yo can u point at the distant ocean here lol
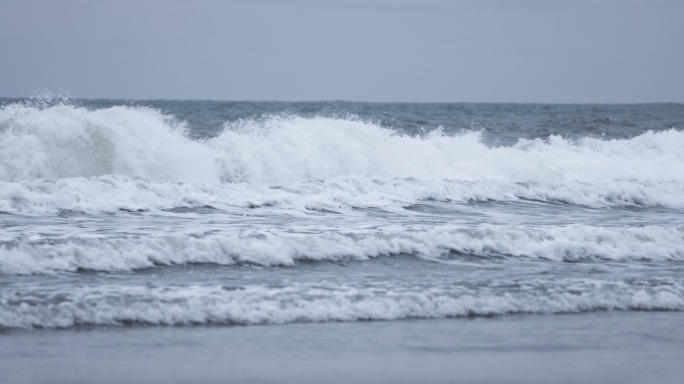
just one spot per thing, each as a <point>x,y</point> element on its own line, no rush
<point>529,228</point>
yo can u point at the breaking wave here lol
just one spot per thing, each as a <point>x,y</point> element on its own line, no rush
<point>258,304</point>
<point>112,193</point>
<point>67,157</point>
<point>282,247</point>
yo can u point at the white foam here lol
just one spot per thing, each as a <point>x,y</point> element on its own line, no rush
<point>282,247</point>
<point>66,141</point>
<point>113,193</point>
<point>286,150</point>
<point>255,304</point>
<point>65,157</point>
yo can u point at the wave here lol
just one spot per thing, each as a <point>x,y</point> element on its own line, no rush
<point>64,141</point>
<point>256,304</point>
<point>63,157</point>
<point>114,193</point>
<point>280,247</point>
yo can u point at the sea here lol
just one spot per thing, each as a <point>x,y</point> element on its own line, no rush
<point>164,241</point>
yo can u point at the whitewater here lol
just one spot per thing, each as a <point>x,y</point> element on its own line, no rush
<point>165,241</point>
<point>160,213</point>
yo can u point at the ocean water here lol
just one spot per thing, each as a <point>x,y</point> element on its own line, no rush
<point>353,224</point>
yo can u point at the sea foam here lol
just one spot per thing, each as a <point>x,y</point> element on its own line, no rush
<point>43,254</point>
<point>65,141</point>
<point>111,193</point>
<point>321,302</point>
<point>67,157</point>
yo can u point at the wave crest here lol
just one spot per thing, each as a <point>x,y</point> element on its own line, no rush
<point>63,141</point>
<point>115,305</point>
<point>125,253</point>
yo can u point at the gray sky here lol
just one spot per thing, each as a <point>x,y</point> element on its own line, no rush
<point>556,51</point>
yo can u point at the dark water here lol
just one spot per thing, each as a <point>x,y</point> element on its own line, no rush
<point>305,221</point>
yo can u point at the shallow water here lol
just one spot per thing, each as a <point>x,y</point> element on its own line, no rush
<point>599,347</point>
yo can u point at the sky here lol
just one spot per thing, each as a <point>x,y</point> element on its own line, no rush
<point>547,51</point>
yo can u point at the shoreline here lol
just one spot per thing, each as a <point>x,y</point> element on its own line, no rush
<point>597,347</point>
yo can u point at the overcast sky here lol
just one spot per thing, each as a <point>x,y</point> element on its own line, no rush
<point>556,51</point>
